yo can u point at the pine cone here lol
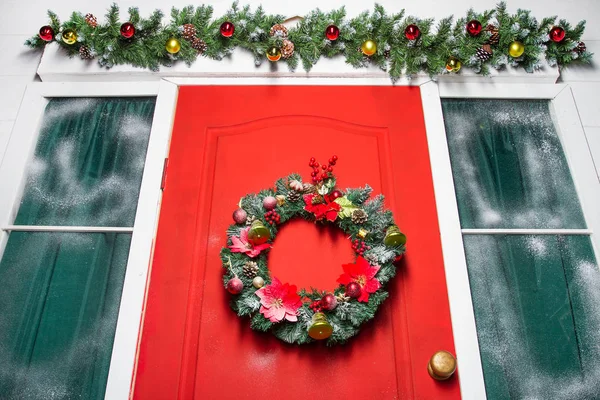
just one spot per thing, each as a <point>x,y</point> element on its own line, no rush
<point>250,219</point>
<point>580,48</point>
<point>294,195</point>
<point>387,53</point>
<point>287,48</point>
<point>91,20</point>
<point>189,32</point>
<point>199,45</point>
<point>495,35</point>
<point>296,185</point>
<point>483,54</point>
<point>309,188</point>
<point>85,53</point>
<point>250,269</point>
<point>278,30</point>
<point>317,199</point>
<point>359,216</point>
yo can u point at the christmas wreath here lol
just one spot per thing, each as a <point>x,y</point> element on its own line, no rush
<point>302,316</point>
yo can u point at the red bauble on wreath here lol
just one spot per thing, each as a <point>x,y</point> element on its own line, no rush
<point>227,29</point>
<point>557,34</point>
<point>474,27</point>
<point>302,316</point>
<point>127,30</point>
<point>332,32</point>
<point>412,32</point>
<point>46,33</point>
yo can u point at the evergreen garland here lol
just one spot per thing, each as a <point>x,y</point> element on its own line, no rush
<point>395,53</point>
<point>348,316</point>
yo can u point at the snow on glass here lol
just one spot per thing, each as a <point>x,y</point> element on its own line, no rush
<point>508,165</point>
<point>537,310</point>
<point>90,173</point>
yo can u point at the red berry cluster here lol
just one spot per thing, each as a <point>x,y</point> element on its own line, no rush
<point>359,246</point>
<point>272,217</point>
<point>316,306</point>
<point>317,176</point>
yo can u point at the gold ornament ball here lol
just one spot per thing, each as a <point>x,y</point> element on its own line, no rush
<point>69,36</point>
<point>516,49</point>
<point>258,282</point>
<point>441,365</point>
<point>453,64</point>
<point>369,47</point>
<point>173,46</point>
<point>273,54</point>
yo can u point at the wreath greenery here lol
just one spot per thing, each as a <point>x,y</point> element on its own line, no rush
<point>302,316</point>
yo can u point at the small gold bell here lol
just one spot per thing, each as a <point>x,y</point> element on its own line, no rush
<point>320,328</point>
<point>280,199</point>
<point>362,233</point>
<point>393,237</point>
<point>258,233</point>
<point>441,365</point>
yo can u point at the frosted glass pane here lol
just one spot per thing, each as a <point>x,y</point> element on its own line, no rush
<point>88,162</point>
<point>59,301</point>
<point>508,165</point>
<point>537,310</point>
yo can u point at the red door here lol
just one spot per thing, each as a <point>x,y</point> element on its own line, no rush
<point>232,140</point>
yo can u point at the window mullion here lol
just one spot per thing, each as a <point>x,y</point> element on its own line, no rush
<point>72,229</point>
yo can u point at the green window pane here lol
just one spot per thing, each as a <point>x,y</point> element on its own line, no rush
<point>88,162</point>
<point>537,311</point>
<point>508,165</point>
<point>59,300</point>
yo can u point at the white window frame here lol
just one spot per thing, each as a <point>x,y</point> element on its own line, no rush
<point>577,152</point>
<point>19,153</point>
<point>130,320</point>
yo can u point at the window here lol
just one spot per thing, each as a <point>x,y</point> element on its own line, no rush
<point>65,260</point>
<point>534,280</point>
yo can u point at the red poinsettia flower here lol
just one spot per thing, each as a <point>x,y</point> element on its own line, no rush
<point>279,301</point>
<point>328,210</point>
<point>362,273</point>
<point>242,244</point>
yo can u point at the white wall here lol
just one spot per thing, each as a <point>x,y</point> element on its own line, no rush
<point>20,19</point>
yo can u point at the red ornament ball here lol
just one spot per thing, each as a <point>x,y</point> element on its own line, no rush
<point>46,33</point>
<point>557,34</point>
<point>328,302</point>
<point>332,32</point>
<point>127,30</point>
<point>412,32</point>
<point>240,216</point>
<point>235,285</point>
<point>227,29</point>
<point>269,202</point>
<point>336,194</point>
<point>353,290</point>
<point>474,27</point>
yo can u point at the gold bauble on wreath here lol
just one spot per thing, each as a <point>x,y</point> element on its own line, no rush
<point>453,64</point>
<point>516,49</point>
<point>273,54</point>
<point>69,36</point>
<point>173,46</point>
<point>369,47</point>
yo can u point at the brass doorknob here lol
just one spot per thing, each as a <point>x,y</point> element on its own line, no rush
<point>441,365</point>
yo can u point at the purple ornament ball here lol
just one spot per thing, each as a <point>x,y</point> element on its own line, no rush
<point>240,216</point>
<point>328,302</point>
<point>235,285</point>
<point>269,203</point>
<point>353,290</point>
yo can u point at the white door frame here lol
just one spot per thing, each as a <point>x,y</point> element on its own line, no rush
<point>123,361</point>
